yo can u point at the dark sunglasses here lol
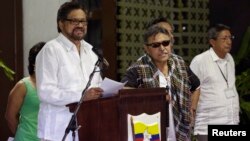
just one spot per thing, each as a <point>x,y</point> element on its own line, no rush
<point>158,44</point>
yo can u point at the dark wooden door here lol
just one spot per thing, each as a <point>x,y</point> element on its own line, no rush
<point>11,52</point>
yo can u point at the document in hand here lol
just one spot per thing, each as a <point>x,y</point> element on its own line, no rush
<point>10,139</point>
<point>111,87</point>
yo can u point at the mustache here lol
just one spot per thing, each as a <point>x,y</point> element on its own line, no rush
<point>79,28</point>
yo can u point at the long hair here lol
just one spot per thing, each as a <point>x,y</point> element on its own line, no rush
<point>32,56</point>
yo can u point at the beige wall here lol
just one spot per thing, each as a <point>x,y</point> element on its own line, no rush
<point>39,23</point>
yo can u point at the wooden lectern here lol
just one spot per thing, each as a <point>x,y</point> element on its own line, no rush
<point>106,119</point>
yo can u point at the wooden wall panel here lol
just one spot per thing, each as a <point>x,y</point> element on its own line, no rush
<point>11,47</point>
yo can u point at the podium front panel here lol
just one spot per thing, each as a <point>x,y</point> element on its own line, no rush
<point>105,119</point>
<point>138,101</point>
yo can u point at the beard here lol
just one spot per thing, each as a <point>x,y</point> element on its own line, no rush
<point>77,34</point>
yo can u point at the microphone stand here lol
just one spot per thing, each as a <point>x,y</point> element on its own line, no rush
<point>72,126</point>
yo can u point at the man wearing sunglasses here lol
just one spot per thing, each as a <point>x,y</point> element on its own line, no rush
<point>159,67</point>
<point>194,80</point>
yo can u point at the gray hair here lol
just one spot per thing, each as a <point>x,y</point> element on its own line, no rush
<point>214,31</point>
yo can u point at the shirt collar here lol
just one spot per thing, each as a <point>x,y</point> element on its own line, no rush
<point>68,44</point>
<point>215,56</point>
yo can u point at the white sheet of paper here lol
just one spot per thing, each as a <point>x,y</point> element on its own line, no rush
<point>10,139</point>
<point>111,87</point>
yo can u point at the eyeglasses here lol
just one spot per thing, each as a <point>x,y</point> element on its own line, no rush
<point>76,21</point>
<point>158,44</point>
<point>224,39</point>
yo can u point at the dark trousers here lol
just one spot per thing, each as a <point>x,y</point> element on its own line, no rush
<point>201,138</point>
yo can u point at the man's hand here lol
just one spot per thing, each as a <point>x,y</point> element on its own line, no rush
<point>93,93</point>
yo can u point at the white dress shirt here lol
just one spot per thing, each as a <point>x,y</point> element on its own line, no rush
<point>61,74</point>
<point>170,130</point>
<point>219,101</point>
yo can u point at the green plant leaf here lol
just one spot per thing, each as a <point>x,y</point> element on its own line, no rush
<point>244,48</point>
<point>7,71</point>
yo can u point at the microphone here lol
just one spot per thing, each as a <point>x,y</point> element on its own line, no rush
<point>167,87</point>
<point>101,58</point>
